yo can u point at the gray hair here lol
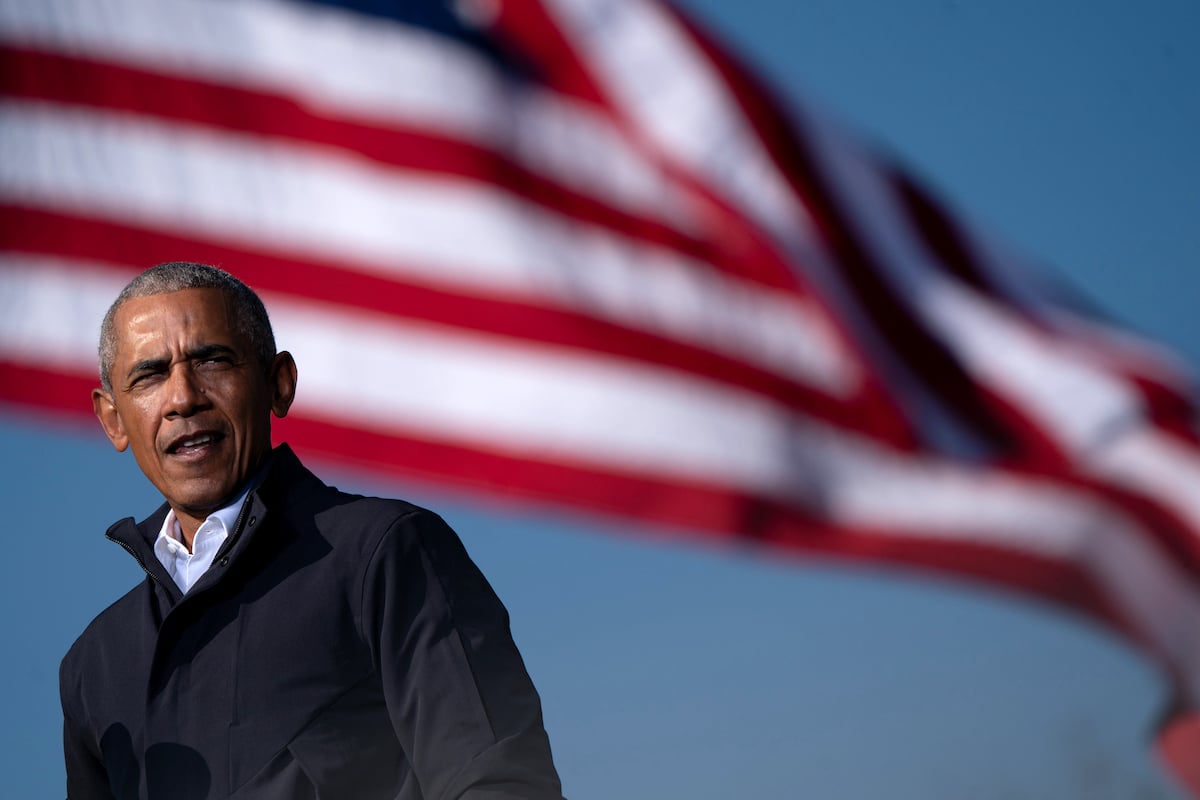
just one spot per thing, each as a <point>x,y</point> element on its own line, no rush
<point>250,315</point>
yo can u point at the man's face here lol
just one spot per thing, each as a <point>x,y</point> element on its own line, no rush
<point>191,397</point>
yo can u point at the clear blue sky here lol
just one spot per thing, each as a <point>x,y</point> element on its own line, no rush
<point>671,670</point>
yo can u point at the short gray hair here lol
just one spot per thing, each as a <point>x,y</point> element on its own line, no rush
<point>250,315</point>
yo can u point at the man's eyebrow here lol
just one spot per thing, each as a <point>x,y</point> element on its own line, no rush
<point>210,350</point>
<point>198,353</point>
<point>148,365</point>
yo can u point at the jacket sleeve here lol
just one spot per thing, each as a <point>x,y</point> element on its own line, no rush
<point>458,694</point>
<point>86,776</point>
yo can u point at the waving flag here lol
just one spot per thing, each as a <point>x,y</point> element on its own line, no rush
<point>571,251</point>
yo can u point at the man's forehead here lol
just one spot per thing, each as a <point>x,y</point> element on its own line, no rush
<point>192,314</point>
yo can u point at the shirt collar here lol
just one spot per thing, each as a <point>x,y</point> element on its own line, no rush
<point>223,518</point>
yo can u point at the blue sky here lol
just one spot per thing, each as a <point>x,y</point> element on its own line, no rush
<point>670,669</point>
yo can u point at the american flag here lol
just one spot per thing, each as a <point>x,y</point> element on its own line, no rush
<point>572,251</point>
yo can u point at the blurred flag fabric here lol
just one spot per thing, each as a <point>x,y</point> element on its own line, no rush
<point>572,252</point>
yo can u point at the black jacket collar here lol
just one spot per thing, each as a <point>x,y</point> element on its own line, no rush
<point>281,473</point>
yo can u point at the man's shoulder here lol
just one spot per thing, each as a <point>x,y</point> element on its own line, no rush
<point>345,513</point>
<point>354,524</point>
<point>303,492</point>
<point>106,630</point>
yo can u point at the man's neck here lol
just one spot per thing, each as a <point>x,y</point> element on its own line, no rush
<point>190,521</point>
<point>188,525</point>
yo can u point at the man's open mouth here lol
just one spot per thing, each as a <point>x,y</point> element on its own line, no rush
<point>193,443</point>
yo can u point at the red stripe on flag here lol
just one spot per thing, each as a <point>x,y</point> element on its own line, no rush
<point>534,41</point>
<point>1179,745</point>
<point>69,393</point>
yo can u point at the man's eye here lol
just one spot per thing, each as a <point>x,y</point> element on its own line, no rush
<point>145,378</point>
<point>213,362</point>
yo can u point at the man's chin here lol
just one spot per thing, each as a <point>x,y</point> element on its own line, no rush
<point>199,502</point>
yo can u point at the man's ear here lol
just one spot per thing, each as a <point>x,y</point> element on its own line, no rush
<point>282,379</point>
<point>106,411</point>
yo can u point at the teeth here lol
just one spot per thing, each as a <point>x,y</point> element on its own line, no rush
<point>193,442</point>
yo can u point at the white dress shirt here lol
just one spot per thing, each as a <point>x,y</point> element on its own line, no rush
<point>185,568</point>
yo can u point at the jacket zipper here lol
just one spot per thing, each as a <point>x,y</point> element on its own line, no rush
<point>226,546</point>
<point>231,540</point>
<point>136,558</point>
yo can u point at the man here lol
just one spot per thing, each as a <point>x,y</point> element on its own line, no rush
<point>289,641</point>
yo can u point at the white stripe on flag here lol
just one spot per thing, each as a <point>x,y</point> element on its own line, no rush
<point>1077,404</point>
<point>1157,465</point>
<point>50,312</point>
<point>1106,347</point>
<point>673,94</point>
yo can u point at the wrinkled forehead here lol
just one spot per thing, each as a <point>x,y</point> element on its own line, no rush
<point>182,319</point>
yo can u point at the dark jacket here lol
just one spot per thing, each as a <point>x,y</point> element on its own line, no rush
<point>340,647</point>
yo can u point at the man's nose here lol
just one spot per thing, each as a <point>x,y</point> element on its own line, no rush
<point>185,392</point>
